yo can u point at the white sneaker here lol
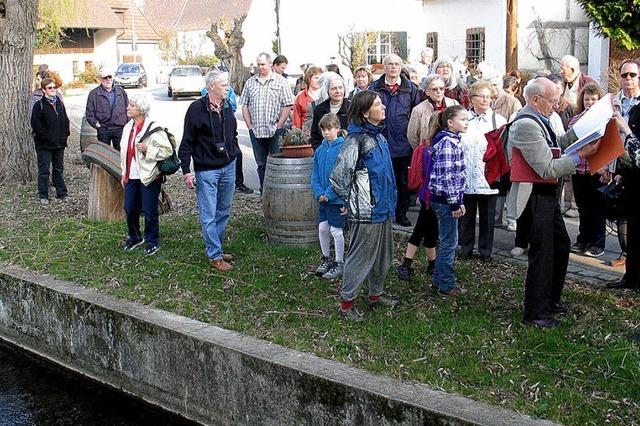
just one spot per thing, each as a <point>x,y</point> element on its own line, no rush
<point>517,251</point>
<point>511,225</point>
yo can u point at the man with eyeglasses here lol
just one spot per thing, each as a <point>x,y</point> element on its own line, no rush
<point>627,103</point>
<point>532,138</point>
<point>107,109</point>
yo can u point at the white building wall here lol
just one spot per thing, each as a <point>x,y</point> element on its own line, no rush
<point>150,57</point>
<point>104,53</point>
<point>451,18</point>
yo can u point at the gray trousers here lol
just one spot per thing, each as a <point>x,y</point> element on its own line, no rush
<point>370,255</point>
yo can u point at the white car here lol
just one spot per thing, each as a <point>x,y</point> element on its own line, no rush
<point>185,80</point>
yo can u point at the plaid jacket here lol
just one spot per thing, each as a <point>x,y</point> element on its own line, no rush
<point>447,181</point>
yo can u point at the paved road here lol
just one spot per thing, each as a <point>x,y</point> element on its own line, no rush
<point>170,114</point>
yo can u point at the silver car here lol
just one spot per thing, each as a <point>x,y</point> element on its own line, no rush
<point>185,80</point>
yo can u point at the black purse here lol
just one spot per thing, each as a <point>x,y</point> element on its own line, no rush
<point>613,203</point>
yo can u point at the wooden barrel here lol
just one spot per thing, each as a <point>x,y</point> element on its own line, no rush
<point>290,211</point>
<point>87,134</point>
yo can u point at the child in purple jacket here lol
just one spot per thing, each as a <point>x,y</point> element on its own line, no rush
<point>446,187</point>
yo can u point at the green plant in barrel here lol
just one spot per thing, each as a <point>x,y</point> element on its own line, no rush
<point>296,137</point>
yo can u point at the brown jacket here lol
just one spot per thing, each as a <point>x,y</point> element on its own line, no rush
<point>418,127</point>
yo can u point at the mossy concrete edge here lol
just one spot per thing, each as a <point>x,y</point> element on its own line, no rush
<point>209,374</point>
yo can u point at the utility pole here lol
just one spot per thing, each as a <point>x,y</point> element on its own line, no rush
<point>511,58</point>
<point>133,33</point>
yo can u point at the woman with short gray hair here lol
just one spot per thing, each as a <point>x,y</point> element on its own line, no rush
<point>146,143</point>
<point>335,92</point>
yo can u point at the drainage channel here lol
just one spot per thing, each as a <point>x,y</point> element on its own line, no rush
<point>36,392</point>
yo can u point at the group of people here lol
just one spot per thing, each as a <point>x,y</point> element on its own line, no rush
<point>365,138</point>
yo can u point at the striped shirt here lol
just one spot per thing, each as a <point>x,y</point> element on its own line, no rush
<point>265,101</point>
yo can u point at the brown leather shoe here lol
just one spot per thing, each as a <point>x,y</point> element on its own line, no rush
<point>227,257</point>
<point>221,265</point>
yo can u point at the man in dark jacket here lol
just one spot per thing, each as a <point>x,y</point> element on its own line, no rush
<point>210,138</point>
<point>107,109</point>
<point>50,126</point>
<point>399,96</point>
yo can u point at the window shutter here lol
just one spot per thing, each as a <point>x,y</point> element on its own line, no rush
<point>399,44</point>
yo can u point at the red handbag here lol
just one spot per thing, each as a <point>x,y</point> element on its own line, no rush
<point>416,176</point>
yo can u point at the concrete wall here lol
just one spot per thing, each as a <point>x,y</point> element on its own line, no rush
<point>210,374</point>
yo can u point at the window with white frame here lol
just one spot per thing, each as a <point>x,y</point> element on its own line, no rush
<point>379,47</point>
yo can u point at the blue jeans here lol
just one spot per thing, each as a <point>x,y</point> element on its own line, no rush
<point>137,199</point>
<point>262,147</point>
<point>214,191</point>
<point>444,275</point>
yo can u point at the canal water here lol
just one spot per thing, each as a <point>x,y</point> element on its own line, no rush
<point>34,392</point>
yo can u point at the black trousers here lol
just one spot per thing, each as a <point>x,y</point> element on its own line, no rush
<point>548,255</point>
<point>110,136</point>
<point>239,172</point>
<point>632,264</point>
<point>592,222</point>
<point>485,205</point>
<point>54,159</point>
<point>401,172</point>
<point>426,228</point>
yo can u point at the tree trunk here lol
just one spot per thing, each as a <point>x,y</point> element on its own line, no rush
<point>511,61</point>
<point>229,50</point>
<point>17,40</point>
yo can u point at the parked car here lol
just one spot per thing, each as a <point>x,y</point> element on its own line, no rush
<point>131,74</point>
<point>185,80</point>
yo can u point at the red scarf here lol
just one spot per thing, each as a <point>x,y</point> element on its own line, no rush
<point>131,147</point>
<point>393,88</point>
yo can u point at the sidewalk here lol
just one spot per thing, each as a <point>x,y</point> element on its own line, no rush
<point>583,268</point>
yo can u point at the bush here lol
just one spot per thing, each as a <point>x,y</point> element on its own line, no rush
<point>90,75</point>
<point>204,61</point>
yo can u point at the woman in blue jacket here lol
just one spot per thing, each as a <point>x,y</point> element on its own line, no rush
<point>363,176</point>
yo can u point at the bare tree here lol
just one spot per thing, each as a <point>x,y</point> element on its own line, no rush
<point>17,41</point>
<point>229,48</point>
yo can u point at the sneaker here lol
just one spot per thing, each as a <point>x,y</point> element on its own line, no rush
<point>456,291</point>
<point>151,249</point>
<point>402,220</point>
<point>132,244</point>
<point>334,272</point>
<point>594,252</point>
<point>221,265</point>
<point>404,272</point>
<point>383,301</point>
<point>511,225</point>
<point>325,265</point>
<point>352,315</point>
<point>44,201</point>
<point>517,251</point>
<point>243,189</point>
<point>579,247</point>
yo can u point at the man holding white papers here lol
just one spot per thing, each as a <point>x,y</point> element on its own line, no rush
<point>532,138</point>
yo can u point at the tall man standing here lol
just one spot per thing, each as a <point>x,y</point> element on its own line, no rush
<point>106,109</point>
<point>532,134</point>
<point>267,100</point>
<point>399,96</point>
<point>211,139</point>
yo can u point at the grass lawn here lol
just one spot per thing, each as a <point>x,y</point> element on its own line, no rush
<point>585,372</point>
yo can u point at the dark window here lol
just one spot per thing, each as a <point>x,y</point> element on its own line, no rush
<point>432,42</point>
<point>475,46</point>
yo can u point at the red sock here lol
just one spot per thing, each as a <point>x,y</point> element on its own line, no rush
<point>346,304</point>
<point>373,298</point>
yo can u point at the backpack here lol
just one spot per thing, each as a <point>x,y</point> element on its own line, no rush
<point>416,175</point>
<point>171,164</point>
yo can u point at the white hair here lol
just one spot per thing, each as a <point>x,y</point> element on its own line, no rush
<point>141,101</point>
<point>391,56</point>
<point>570,61</point>
<point>325,80</point>
<point>216,76</point>
<point>535,87</point>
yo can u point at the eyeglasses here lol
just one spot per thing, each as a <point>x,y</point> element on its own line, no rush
<point>437,89</point>
<point>50,87</point>
<point>629,74</point>
<point>485,97</point>
<point>551,101</point>
<point>107,77</point>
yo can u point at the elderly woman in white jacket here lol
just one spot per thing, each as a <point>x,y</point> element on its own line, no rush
<point>478,195</point>
<point>139,155</point>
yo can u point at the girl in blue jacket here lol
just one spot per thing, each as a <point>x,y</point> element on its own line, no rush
<point>331,219</point>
